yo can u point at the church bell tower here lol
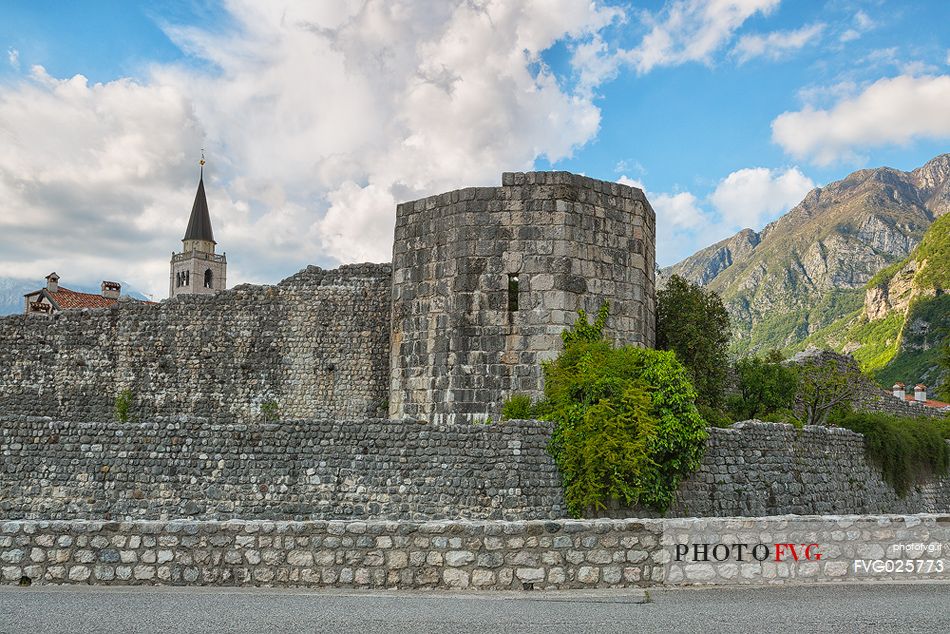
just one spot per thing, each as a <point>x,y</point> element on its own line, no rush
<point>198,270</point>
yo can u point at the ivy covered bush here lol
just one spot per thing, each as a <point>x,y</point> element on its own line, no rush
<point>626,423</point>
<point>909,451</point>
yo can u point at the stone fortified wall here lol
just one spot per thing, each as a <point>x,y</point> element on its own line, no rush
<point>396,470</point>
<point>473,555</point>
<point>486,278</point>
<point>316,345</point>
<point>307,470</point>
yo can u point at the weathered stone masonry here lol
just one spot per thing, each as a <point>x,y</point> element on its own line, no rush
<point>458,555</point>
<point>399,471</point>
<point>486,278</point>
<point>307,470</point>
<point>315,345</point>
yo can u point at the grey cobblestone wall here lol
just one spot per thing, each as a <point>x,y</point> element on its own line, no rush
<point>315,345</point>
<point>459,346</point>
<point>467,555</point>
<point>399,470</point>
<point>756,468</point>
<point>306,470</point>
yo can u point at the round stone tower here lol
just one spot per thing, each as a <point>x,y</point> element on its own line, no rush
<point>485,279</point>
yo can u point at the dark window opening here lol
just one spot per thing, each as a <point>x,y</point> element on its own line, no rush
<point>207,278</point>
<point>178,280</point>
<point>512,292</point>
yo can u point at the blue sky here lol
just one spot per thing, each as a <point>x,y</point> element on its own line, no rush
<point>318,117</point>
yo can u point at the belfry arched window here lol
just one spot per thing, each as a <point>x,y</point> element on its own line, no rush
<point>208,278</point>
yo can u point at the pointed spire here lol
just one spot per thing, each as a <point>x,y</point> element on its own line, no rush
<point>199,225</point>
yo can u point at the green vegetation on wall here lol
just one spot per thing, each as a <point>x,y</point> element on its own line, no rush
<point>909,451</point>
<point>626,424</point>
<point>692,322</point>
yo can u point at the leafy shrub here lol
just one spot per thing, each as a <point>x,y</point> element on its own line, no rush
<point>626,423</point>
<point>692,321</point>
<point>270,410</point>
<point>517,407</point>
<point>715,417</point>
<point>123,405</point>
<point>765,386</point>
<point>909,451</point>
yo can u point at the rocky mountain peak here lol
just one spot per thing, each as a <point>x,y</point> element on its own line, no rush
<point>809,267</point>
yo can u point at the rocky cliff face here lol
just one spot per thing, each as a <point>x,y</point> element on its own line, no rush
<point>809,267</point>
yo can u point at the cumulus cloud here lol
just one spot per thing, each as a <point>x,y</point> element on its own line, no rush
<point>746,198</point>
<point>318,117</point>
<point>777,44</point>
<point>891,111</point>
<point>751,197</point>
<point>88,175</point>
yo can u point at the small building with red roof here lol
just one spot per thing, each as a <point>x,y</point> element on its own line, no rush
<point>55,298</point>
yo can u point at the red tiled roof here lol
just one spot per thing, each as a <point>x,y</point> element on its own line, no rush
<point>928,402</point>
<point>67,299</point>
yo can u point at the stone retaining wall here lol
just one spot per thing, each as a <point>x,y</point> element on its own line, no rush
<point>305,470</point>
<point>314,345</point>
<point>467,555</point>
<point>319,470</point>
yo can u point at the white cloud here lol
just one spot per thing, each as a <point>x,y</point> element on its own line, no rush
<point>861,24</point>
<point>777,44</point>
<point>317,118</point>
<point>889,111</point>
<point>692,30</point>
<point>751,197</point>
<point>746,198</point>
<point>13,56</point>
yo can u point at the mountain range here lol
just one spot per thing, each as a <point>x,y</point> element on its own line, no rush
<point>842,269</point>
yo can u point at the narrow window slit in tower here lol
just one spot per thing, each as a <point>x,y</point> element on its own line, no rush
<point>512,292</point>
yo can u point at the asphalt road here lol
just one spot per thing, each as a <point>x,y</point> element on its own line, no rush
<point>801,609</point>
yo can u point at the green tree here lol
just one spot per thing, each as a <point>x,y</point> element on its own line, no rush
<point>765,386</point>
<point>823,387</point>
<point>692,322</point>
<point>626,423</point>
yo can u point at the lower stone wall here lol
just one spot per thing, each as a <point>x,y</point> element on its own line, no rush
<point>398,470</point>
<point>755,468</point>
<point>305,470</point>
<point>559,554</point>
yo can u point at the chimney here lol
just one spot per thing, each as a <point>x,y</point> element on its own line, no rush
<point>52,282</point>
<point>920,392</point>
<point>899,391</point>
<point>111,290</point>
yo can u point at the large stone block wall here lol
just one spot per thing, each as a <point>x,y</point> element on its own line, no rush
<point>477,555</point>
<point>316,345</point>
<point>306,470</point>
<point>398,470</point>
<point>458,347</point>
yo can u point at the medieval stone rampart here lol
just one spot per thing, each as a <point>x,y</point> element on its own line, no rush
<point>314,345</point>
<point>400,470</point>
